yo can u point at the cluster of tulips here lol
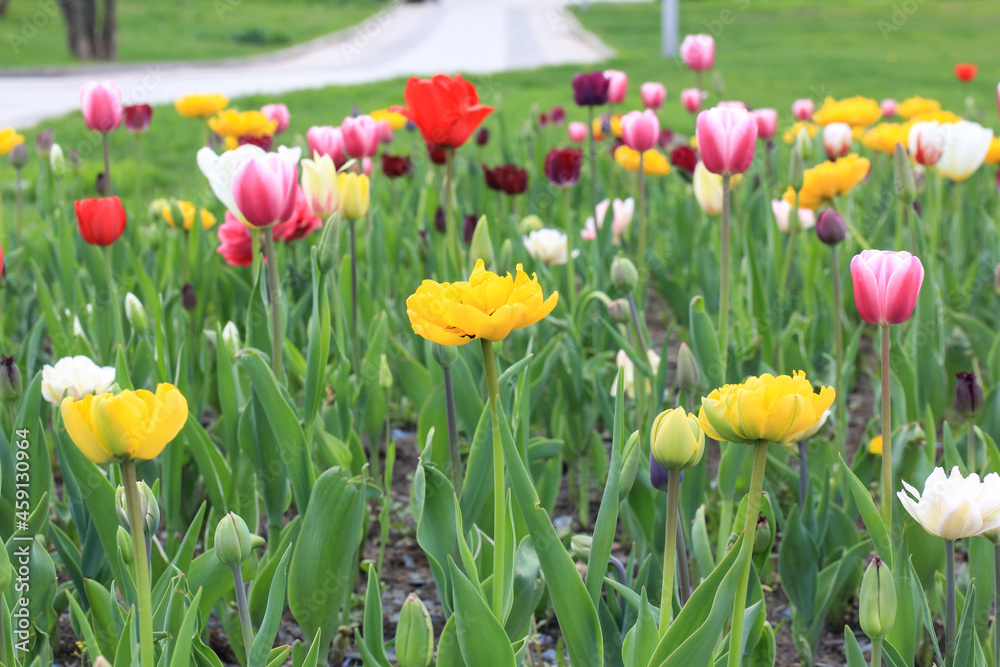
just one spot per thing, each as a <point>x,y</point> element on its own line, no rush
<point>202,426</point>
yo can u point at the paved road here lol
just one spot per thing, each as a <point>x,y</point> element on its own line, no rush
<point>469,36</point>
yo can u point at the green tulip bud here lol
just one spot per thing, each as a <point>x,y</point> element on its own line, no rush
<point>414,634</point>
<point>804,144</point>
<point>11,383</point>
<point>902,173</point>
<point>676,439</point>
<point>763,539</point>
<point>6,571</point>
<point>581,544</point>
<point>620,311</point>
<point>481,246</point>
<point>231,338</point>
<point>624,275</point>
<point>797,166</point>
<point>57,161</point>
<point>384,374</point>
<point>149,508</point>
<point>232,540</point>
<point>531,223</point>
<point>124,545</point>
<point>135,313</point>
<point>445,355</point>
<point>877,603</point>
<point>688,375</point>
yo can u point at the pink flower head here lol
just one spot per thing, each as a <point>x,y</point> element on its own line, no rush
<point>361,136</point>
<point>640,130</point>
<point>886,285</point>
<point>302,222</point>
<point>279,114</point>
<point>264,189</point>
<point>654,94</point>
<point>623,211</point>
<point>385,133</point>
<point>726,139</point>
<point>698,52</point>
<point>577,131</point>
<point>837,140</point>
<point>327,140</point>
<point>767,122</point>
<point>888,106</point>
<point>803,109</point>
<point>235,242</point>
<point>691,99</point>
<point>617,85</point>
<point>101,104</point>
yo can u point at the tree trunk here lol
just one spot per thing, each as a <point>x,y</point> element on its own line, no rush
<point>85,41</point>
<point>3,7</point>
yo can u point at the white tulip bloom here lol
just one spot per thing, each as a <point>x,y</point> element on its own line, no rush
<point>782,212</point>
<point>75,377</point>
<point>965,147</point>
<point>926,142</point>
<point>954,507</point>
<point>624,362</point>
<point>551,246</point>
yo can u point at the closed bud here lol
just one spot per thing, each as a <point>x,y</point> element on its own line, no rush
<point>763,539</point>
<point>231,338</point>
<point>877,604</point>
<point>149,508</point>
<point>6,571</point>
<point>688,375</point>
<point>581,544</point>
<point>18,156</point>
<point>43,143</point>
<point>968,394</point>
<point>11,384</point>
<point>188,298</point>
<point>481,247</point>
<point>482,136</point>
<point>804,144</point>
<point>101,662</point>
<point>624,275</point>
<point>902,174</point>
<point>830,226</point>
<point>620,311</point>
<point>57,161</point>
<point>124,545</point>
<point>414,634</point>
<point>797,167</point>
<point>658,473</point>
<point>993,536</point>
<point>445,355</point>
<point>384,374</point>
<point>136,314</point>
<point>232,540</point>
<point>676,439</point>
<point>530,223</point>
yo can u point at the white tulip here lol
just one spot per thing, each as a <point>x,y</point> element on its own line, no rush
<point>624,362</point>
<point>220,169</point>
<point>782,211</point>
<point>75,377</point>
<point>231,338</point>
<point>965,147</point>
<point>135,313</point>
<point>551,246</point>
<point>837,140</point>
<point>707,189</point>
<point>954,507</point>
<point>57,161</point>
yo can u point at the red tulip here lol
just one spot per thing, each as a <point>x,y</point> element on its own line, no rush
<point>361,136</point>
<point>640,130</point>
<point>653,94</point>
<point>327,140</point>
<point>886,285</point>
<point>698,52</point>
<point>562,166</point>
<point>965,72</point>
<point>278,113</point>
<point>507,178</point>
<point>101,104</point>
<point>726,139</point>
<point>264,189</point>
<point>235,242</point>
<point>446,110</point>
<point>302,223</point>
<point>101,221</point>
<point>396,166</point>
<point>1,260</point>
<point>685,158</point>
<point>767,122</point>
<point>557,115</point>
<point>138,117</point>
<point>543,119</point>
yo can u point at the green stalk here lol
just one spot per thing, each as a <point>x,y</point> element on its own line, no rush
<point>454,455</point>
<point>877,652</point>
<point>886,434</point>
<point>570,264</point>
<point>725,528</point>
<point>803,474</point>
<point>451,226</point>
<point>682,569</point>
<point>669,551</point>
<point>138,177</point>
<point>241,604</point>
<point>354,295</point>
<point>950,617</point>
<point>593,170</point>
<point>786,273</point>
<point>137,525</point>
<point>643,232</point>
<point>724,277</point>
<point>838,345</point>
<point>996,605</point>
<point>972,446</point>
<point>499,520</point>
<point>750,529</point>
<point>116,305</point>
<point>274,302</point>
<point>109,191</point>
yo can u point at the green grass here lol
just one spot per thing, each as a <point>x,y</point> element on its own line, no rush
<point>33,33</point>
<point>770,54</point>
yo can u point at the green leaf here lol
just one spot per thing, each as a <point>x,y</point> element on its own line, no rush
<point>855,658</point>
<point>319,342</point>
<point>480,636</point>
<point>449,653</point>
<point>869,514</point>
<point>182,646</point>
<point>373,642</point>
<point>798,560</point>
<point>435,511</point>
<point>261,648</point>
<point>641,640</point>
<point>705,344</point>
<point>965,640</point>
<point>82,625</point>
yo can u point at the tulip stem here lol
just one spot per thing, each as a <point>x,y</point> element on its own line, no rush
<point>570,264</point>
<point>786,273</point>
<point>499,522</point>
<point>137,525</point>
<point>451,227</point>
<point>454,454</point>
<point>724,277</point>
<point>241,604</point>
<point>108,190</point>
<point>669,551</point>
<point>354,295</point>
<point>274,302</point>
<point>972,446</point>
<point>886,434</point>
<point>877,652</point>
<point>750,534</point>
<point>838,344</point>
<point>116,315</point>
<point>803,474</point>
<point>642,230</point>
<point>996,605</point>
<point>682,568</point>
<point>593,167</point>
<point>950,618</point>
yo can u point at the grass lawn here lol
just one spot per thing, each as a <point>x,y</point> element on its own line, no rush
<point>151,30</point>
<point>770,53</point>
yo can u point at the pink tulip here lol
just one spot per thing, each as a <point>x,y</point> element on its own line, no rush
<point>640,130</point>
<point>653,94</point>
<point>617,86</point>
<point>264,189</point>
<point>767,122</point>
<point>888,106</point>
<point>361,136</point>
<point>691,99</point>
<point>803,109</point>
<point>385,133</point>
<point>366,165</point>
<point>886,285</point>
<point>732,104</point>
<point>726,139</point>
<point>698,52</point>
<point>101,104</point>
<point>837,140</point>
<point>278,113</point>
<point>235,242</point>
<point>577,131</point>
<point>327,140</point>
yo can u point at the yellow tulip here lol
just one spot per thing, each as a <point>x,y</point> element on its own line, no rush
<point>828,180</point>
<point>233,123</point>
<point>940,116</point>
<point>791,134</point>
<point>654,163</point>
<point>8,139</point>
<point>598,129</point>
<point>354,191</point>
<point>125,426</point>
<point>916,106</point>
<point>616,126</point>
<point>855,111</point>
<point>676,439</point>
<point>885,136</point>
<point>765,408</point>
<point>875,446</point>
<point>487,306</point>
<point>187,210</point>
<point>397,121</point>
<point>993,154</point>
<point>200,105</point>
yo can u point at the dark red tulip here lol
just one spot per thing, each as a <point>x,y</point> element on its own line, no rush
<point>101,221</point>
<point>543,119</point>
<point>188,297</point>
<point>830,226</point>
<point>557,115</point>
<point>437,154</point>
<point>396,166</point>
<point>482,136</point>
<point>507,178</point>
<point>138,117</point>
<point>590,89</point>
<point>469,223</point>
<point>261,142</point>
<point>440,224</point>
<point>666,138</point>
<point>684,157</point>
<point>968,394</point>
<point>562,166</point>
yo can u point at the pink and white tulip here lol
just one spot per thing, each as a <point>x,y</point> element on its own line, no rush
<point>803,108</point>
<point>654,94</point>
<point>782,212</point>
<point>837,140</point>
<point>926,143</point>
<point>327,140</point>
<point>622,213</point>
<point>577,131</point>
<point>278,113</point>
<point>767,122</point>
<point>264,189</point>
<point>617,85</point>
<point>726,140</point>
<point>698,52</point>
<point>888,106</point>
<point>101,104</point>
<point>640,130</point>
<point>886,285</point>
<point>361,136</point>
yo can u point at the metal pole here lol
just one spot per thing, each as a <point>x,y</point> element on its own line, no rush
<point>670,27</point>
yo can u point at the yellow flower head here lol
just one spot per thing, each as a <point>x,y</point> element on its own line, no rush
<point>875,446</point>
<point>187,212</point>
<point>940,116</point>
<point>791,134</point>
<point>775,409</point>
<point>616,125</point>
<point>200,105</point>
<point>993,154</point>
<point>598,129</point>
<point>654,163</point>
<point>397,121</point>
<point>8,139</point>
<point>125,426</point>
<point>355,193</point>
<point>855,111</point>
<point>885,136</point>
<point>828,180</point>
<point>233,123</point>
<point>487,306</point>
<point>916,106</point>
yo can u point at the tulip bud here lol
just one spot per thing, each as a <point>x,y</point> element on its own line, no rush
<point>530,223</point>
<point>57,161</point>
<point>384,374</point>
<point>688,375</point>
<point>902,173</point>
<point>18,156</point>
<point>6,571</point>
<point>231,338</point>
<point>658,473</point>
<point>830,226</point>
<point>74,161</point>
<point>804,144</point>
<point>482,137</point>
<point>481,247</point>
<point>676,439</point>
<point>581,545</point>
<point>414,634</point>
<point>124,545</point>
<point>624,275</point>
<point>101,185</point>
<point>620,311</point>
<point>188,298</point>
<point>968,395</point>
<point>763,540</point>
<point>135,313</point>
<point>877,604</point>
<point>796,168</point>
<point>43,143</point>
<point>232,540</point>
<point>10,383</point>
<point>445,355</point>
<point>631,454</point>
<point>101,662</point>
<point>993,536</point>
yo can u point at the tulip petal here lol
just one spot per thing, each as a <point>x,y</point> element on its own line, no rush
<point>75,418</point>
<point>169,413</point>
<point>902,291</point>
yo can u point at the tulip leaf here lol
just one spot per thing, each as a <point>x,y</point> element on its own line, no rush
<point>435,512</point>
<point>319,343</point>
<point>373,642</point>
<point>184,637</point>
<point>966,640</point>
<point>214,470</point>
<point>870,515</point>
<point>481,638</point>
<point>82,626</point>
<point>705,344</point>
<point>449,653</point>
<point>260,650</point>
<point>798,564</point>
<point>641,640</point>
<point>478,470</point>
<point>855,658</point>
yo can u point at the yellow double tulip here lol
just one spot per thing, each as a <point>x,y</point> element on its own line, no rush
<point>200,105</point>
<point>654,163</point>
<point>233,123</point>
<point>8,139</point>
<point>855,111</point>
<point>828,180</point>
<point>186,213</point>
<point>916,106</point>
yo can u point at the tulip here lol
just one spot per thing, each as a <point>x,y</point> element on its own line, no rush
<point>965,147</point>
<point>43,142</point>
<point>837,140</point>
<point>877,604</point>
<point>676,439</point>
<point>875,446</point>
<point>550,246</point>
<point>138,117</point>
<point>301,223</point>
<point>888,106</point>
<point>691,99</point>
<point>954,507</point>
<point>886,285</point>
<point>354,195</point>
<point>577,131</point>
<point>707,189</point>
<point>264,189</point>
<point>319,184</point>
<point>101,104</point>
<point>232,540</point>
<point>18,157</point>
<point>9,138</point>
<point>57,161</point>
<point>327,140</point>
<point>767,122</point>
<point>543,120</point>
<point>396,166</point>
<point>591,89</point>
<point>200,105</point>
<point>385,132</point>
<point>726,140</point>
<point>803,109</point>
<point>968,395</point>
<point>361,136</point>
<point>235,242</point>
<point>135,313</point>
<point>507,178</point>
<point>557,115</point>
<point>684,158</point>
<point>965,72</point>
<point>617,85</point>
<point>782,211</point>
<point>640,130</point>
<point>623,211</point>
<point>220,169</point>
<point>11,382</point>
<point>414,634</point>
<point>182,214</point>
<point>75,377</point>
<point>562,166</point>
<point>698,52</point>
<point>830,227</point>
<point>926,142</point>
<point>624,275</point>
<point>855,111</point>
<point>446,110</point>
<point>101,221</point>
<point>624,362</point>
<point>279,114</point>
<point>688,376</point>
<point>653,94</point>
<point>482,136</point>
